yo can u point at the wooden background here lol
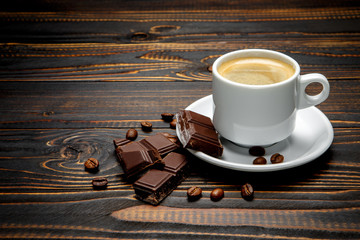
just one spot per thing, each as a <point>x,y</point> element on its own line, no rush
<point>76,74</point>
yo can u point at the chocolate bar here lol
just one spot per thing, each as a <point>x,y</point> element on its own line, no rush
<point>197,132</point>
<point>120,142</point>
<point>172,138</point>
<point>177,165</point>
<point>157,184</point>
<point>159,142</point>
<point>134,162</point>
<point>135,157</point>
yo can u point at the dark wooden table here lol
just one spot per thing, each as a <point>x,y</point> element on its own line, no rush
<point>74,75</point>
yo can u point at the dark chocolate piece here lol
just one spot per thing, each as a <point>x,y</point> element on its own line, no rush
<point>172,138</point>
<point>160,143</point>
<point>135,158</point>
<point>131,146</point>
<point>133,164</point>
<point>156,184</point>
<point>120,142</point>
<point>136,161</point>
<point>198,133</point>
<point>177,165</point>
<point>196,118</point>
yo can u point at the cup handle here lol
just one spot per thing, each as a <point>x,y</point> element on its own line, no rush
<point>305,100</point>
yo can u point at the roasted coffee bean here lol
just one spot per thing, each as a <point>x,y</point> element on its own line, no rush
<point>257,151</point>
<point>131,134</point>
<point>99,183</point>
<point>247,191</point>
<point>194,193</point>
<point>173,124</point>
<point>146,126</point>
<point>92,165</point>
<point>167,117</point>
<point>277,158</point>
<point>217,194</point>
<point>259,161</point>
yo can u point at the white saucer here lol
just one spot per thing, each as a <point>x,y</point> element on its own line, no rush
<point>312,136</point>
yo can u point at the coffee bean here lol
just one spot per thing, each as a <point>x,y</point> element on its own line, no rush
<point>217,194</point>
<point>91,165</point>
<point>99,183</point>
<point>194,193</point>
<point>257,151</point>
<point>173,124</point>
<point>146,126</point>
<point>259,161</point>
<point>247,191</point>
<point>167,117</point>
<point>277,158</point>
<point>131,134</point>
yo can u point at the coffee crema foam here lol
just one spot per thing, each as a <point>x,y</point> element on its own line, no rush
<point>256,70</point>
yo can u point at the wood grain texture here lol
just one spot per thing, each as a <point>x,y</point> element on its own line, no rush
<point>74,75</point>
<point>44,176</point>
<point>125,104</point>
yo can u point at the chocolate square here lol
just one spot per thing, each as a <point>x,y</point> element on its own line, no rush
<point>196,118</point>
<point>198,133</point>
<point>135,161</point>
<point>155,185</point>
<point>135,157</point>
<point>153,180</point>
<point>160,143</point>
<point>120,142</point>
<point>132,146</point>
<point>174,162</point>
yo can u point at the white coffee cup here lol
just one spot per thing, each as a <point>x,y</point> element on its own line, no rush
<point>261,115</point>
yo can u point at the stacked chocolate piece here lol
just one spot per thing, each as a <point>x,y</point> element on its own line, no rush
<point>166,168</point>
<point>154,163</point>
<point>197,132</point>
<point>156,184</point>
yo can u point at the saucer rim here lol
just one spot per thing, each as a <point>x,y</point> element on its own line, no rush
<point>268,167</point>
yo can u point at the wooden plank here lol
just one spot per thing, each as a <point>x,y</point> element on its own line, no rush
<point>124,105</point>
<point>75,75</point>
<point>52,160</point>
<point>176,5</point>
<point>167,61</point>
<point>43,179</point>
<point>164,45</point>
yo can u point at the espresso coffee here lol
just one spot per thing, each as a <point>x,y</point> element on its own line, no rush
<point>256,70</point>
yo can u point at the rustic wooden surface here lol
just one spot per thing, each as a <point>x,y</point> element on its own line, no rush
<point>76,74</point>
